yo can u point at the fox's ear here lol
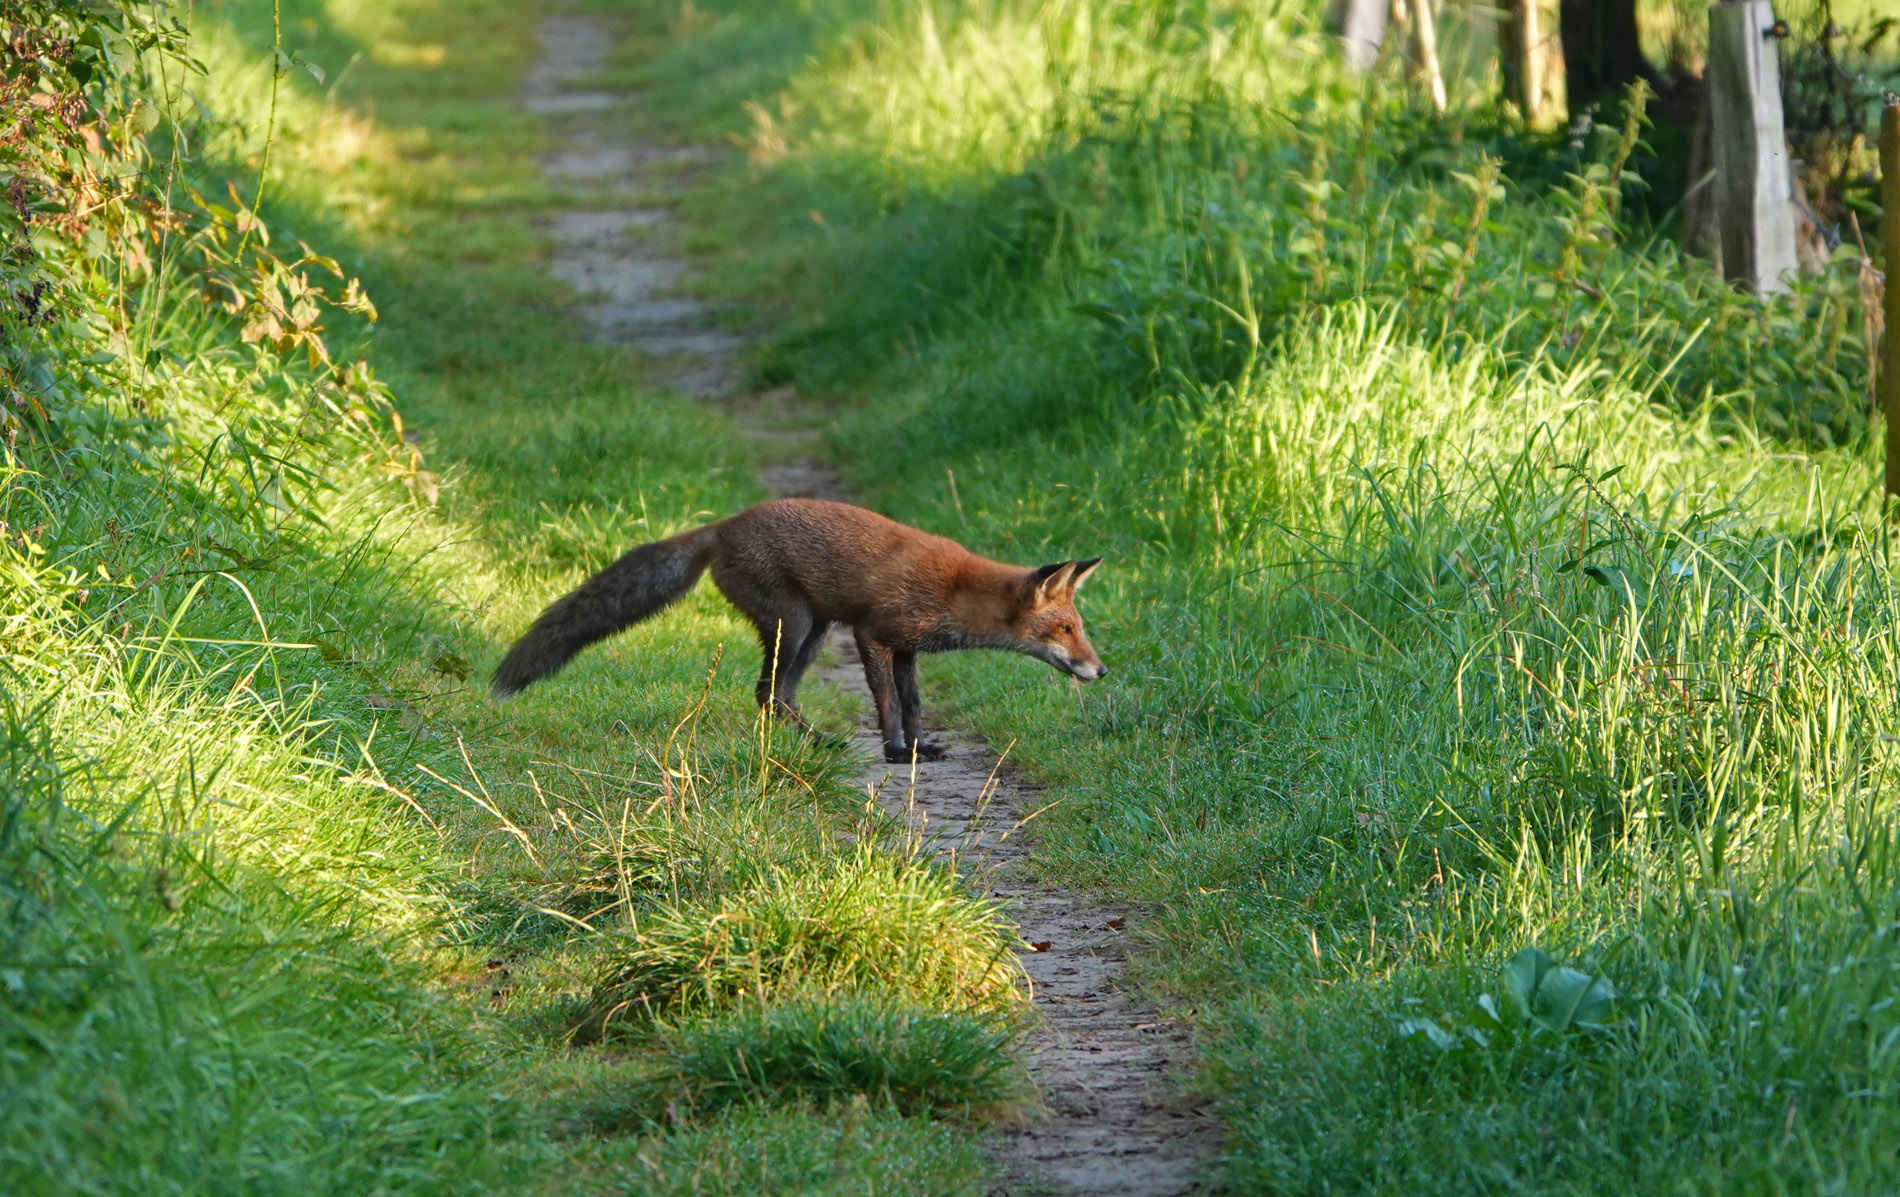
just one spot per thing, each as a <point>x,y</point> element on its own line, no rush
<point>1082,571</point>
<point>1051,580</point>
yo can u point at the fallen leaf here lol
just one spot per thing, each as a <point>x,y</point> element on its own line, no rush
<point>1041,947</point>
<point>1117,924</point>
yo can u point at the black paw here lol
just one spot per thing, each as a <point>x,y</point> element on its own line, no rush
<point>925,751</point>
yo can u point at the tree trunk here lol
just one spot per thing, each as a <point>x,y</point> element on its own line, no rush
<point>1603,51</point>
<point>1361,27</point>
<point>1528,62</point>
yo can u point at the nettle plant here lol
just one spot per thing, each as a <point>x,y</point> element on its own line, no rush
<point>105,231</point>
<point>1538,1000</point>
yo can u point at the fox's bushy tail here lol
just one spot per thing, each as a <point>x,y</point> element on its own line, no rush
<point>641,584</point>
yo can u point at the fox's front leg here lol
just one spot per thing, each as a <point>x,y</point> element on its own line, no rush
<point>910,705</point>
<point>880,675</point>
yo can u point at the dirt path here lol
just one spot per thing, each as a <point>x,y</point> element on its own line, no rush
<point>1102,1057</point>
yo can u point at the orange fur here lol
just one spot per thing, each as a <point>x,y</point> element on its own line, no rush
<point>794,567</point>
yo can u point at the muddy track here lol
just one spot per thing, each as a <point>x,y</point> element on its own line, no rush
<point>1102,1058</point>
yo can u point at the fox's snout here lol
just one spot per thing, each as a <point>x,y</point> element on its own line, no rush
<point>1086,668</point>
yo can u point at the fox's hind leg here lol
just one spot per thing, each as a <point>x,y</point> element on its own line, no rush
<point>783,643</point>
<point>911,706</point>
<point>808,651</point>
<point>788,632</point>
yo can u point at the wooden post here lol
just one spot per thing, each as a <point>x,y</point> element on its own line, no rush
<point>1890,235</point>
<point>1361,26</point>
<point>1424,47</point>
<point>1527,62</point>
<point>1753,205</point>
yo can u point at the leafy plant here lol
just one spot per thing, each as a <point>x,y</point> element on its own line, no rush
<point>1537,999</point>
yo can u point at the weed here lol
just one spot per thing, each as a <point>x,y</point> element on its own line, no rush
<point>284,907</point>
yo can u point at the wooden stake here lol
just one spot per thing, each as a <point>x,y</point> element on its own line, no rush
<point>1427,32</point>
<point>1527,62</point>
<point>1890,234</point>
<point>1424,46</point>
<point>1753,192</point>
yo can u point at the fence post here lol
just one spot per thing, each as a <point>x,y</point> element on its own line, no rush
<point>1527,62</point>
<point>1361,25</point>
<point>1753,204</point>
<point>1425,48</point>
<point>1890,234</point>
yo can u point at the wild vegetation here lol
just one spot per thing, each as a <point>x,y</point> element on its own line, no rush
<point>1504,701</point>
<point>286,905</point>
<point>1484,574</point>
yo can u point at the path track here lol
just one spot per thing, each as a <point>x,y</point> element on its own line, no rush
<point>1102,1057</point>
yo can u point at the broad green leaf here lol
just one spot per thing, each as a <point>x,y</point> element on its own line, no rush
<point>1488,1013</point>
<point>1521,977</point>
<point>1568,997</point>
<point>1431,1032</point>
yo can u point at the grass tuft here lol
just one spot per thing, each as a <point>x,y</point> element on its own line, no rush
<point>898,924</point>
<point>830,1049</point>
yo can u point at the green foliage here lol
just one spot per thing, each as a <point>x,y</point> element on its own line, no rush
<point>822,1152</point>
<point>897,925</point>
<point>1536,997</point>
<point>163,932</point>
<point>829,1050</point>
<point>1482,573</point>
<point>284,906</point>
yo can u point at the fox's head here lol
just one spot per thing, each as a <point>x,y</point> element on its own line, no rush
<point>1047,625</point>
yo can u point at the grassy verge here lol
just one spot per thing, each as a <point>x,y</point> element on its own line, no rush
<point>284,899</point>
<point>1483,576</point>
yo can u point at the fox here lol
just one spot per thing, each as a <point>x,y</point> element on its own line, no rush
<point>794,567</point>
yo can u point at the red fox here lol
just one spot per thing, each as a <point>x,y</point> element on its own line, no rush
<point>795,566</point>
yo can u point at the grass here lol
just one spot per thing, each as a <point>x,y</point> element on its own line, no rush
<point>878,1051</point>
<point>284,900</point>
<point>862,921</point>
<point>822,1152</point>
<point>1481,573</point>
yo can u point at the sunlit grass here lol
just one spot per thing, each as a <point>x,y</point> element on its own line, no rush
<point>1446,616</point>
<point>901,926</point>
<point>287,905</point>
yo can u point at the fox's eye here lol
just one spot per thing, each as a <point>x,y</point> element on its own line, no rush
<point>1064,629</point>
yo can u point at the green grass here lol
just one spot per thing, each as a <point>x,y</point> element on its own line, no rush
<point>824,1152</point>
<point>1481,574</point>
<point>861,921</point>
<point>286,903</point>
<point>825,1050</point>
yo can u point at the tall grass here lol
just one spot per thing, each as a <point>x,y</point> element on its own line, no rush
<point>1482,573</point>
<point>285,904</point>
